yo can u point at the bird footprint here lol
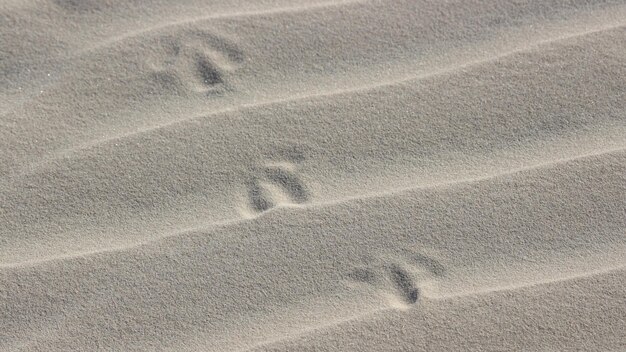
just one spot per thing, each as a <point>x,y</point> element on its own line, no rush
<point>400,281</point>
<point>200,61</point>
<point>274,184</point>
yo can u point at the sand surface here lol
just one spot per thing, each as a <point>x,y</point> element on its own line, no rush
<point>291,175</point>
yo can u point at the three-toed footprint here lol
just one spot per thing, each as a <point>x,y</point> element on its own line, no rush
<point>200,62</point>
<point>275,184</point>
<point>399,277</point>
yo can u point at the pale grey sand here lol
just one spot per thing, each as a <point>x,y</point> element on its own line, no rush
<point>290,175</point>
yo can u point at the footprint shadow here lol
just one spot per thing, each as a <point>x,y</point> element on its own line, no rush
<point>405,285</point>
<point>260,198</point>
<point>208,72</point>
<point>289,182</point>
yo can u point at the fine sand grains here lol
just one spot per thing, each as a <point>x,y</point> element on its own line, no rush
<point>288,175</point>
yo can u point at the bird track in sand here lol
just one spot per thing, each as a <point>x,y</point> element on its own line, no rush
<point>201,62</point>
<point>398,279</point>
<point>269,182</point>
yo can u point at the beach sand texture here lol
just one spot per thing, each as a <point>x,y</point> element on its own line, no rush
<point>290,175</point>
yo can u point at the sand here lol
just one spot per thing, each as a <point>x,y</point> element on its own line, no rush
<point>289,175</point>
